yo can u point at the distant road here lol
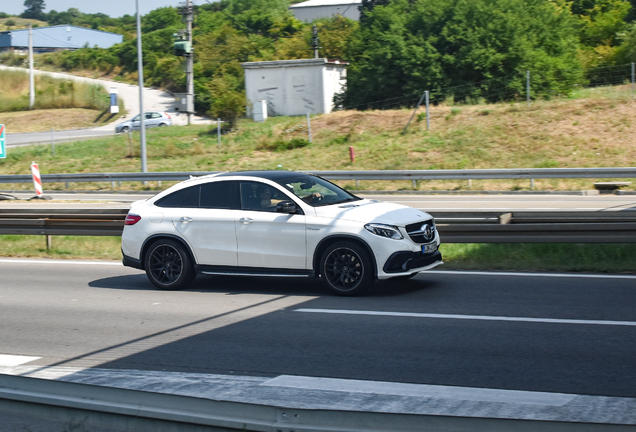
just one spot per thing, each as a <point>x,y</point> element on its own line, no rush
<point>154,100</point>
<point>431,203</point>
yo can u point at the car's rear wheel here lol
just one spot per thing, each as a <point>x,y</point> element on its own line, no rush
<point>168,265</point>
<point>346,269</point>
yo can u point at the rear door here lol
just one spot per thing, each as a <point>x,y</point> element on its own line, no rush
<point>206,221</point>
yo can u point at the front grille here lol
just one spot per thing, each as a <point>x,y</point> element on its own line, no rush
<point>422,232</point>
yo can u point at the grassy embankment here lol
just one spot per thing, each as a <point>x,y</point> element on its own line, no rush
<point>59,104</point>
<point>593,130</point>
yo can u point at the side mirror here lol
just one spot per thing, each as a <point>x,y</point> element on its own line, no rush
<point>288,207</point>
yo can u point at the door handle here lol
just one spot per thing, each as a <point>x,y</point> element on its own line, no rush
<point>246,220</point>
<point>185,219</point>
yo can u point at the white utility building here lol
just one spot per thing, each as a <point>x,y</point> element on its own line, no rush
<point>294,87</point>
<point>313,9</point>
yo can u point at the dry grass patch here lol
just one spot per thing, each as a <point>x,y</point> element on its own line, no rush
<point>44,120</point>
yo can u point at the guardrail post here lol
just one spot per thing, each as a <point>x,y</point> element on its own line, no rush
<point>532,184</point>
<point>470,184</point>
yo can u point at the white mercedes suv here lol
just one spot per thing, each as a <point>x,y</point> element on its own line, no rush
<point>276,223</point>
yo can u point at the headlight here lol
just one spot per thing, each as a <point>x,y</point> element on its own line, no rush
<point>388,231</point>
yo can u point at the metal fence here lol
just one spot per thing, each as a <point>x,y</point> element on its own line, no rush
<point>454,227</point>
<point>522,87</point>
<point>413,175</point>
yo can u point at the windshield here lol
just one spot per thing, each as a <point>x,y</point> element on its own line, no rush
<point>316,191</point>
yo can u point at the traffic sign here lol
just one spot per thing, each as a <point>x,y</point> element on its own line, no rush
<point>3,152</point>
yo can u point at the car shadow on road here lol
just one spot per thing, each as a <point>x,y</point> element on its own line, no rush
<point>260,285</point>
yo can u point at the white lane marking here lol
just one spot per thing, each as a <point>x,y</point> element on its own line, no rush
<point>37,261</point>
<point>468,317</point>
<point>15,360</point>
<point>421,390</point>
<point>558,275</point>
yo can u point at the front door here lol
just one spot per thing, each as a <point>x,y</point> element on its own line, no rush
<point>267,239</point>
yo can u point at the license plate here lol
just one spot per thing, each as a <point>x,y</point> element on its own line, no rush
<point>429,248</point>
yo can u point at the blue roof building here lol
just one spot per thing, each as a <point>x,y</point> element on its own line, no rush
<point>55,38</point>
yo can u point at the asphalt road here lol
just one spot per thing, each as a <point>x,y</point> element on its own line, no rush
<point>546,333</point>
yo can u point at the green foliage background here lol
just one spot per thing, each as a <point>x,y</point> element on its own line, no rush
<point>398,48</point>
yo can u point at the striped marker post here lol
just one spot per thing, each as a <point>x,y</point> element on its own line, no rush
<point>37,180</point>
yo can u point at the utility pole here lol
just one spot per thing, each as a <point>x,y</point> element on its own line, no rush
<point>31,80</point>
<point>142,114</point>
<point>315,42</point>
<point>184,48</point>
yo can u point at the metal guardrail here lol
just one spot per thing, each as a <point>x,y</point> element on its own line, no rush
<point>454,227</point>
<point>126,409</point>
<point>414,175</point>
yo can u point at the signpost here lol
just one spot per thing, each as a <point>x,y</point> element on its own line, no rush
<point>3,152</point>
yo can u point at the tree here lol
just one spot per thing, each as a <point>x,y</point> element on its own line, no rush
<point>404,48</point>
<point>34,9</point>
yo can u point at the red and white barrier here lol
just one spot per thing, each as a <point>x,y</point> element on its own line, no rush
<point>37,180</point>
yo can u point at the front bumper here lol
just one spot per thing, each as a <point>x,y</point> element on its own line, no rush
<point>404,261</point>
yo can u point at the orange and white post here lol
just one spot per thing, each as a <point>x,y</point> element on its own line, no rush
<point>37,180</point>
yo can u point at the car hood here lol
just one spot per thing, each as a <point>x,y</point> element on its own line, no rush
<point>367,211</point>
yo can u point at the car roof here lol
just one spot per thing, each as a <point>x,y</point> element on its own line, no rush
<point>273,175</point>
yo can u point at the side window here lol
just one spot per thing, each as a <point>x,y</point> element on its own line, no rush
<point>219,195</point>
<point>260,197</point>
<point>188,197</point>
<point>156,115</point>
<point>148,116</point>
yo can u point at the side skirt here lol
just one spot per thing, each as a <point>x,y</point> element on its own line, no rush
<point>252,271</point>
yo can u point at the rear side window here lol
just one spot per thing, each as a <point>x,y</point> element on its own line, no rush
<point>219,195</point>
<point>188,197</point>
<point>216,195</point>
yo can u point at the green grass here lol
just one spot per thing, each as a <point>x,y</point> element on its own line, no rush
<point>590,258</point>
<point>592,132</point>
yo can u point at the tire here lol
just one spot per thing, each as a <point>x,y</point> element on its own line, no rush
<point>125,129</point>
<point>168,265</point>
<point>162,125</point>
<point>346,269</point>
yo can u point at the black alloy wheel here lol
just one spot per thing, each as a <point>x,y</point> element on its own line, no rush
<point>346,269</point>
<point>168,265</point>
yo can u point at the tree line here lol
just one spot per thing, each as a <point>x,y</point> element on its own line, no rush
<point>398,47</point>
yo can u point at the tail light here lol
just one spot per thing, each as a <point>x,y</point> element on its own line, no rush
<point>167,115</point>
<point>132,219</point>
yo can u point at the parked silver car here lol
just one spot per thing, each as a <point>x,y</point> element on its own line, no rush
<point>153,119</point>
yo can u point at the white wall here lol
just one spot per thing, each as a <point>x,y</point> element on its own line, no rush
<point>309,13</point>
<point>293,87</point>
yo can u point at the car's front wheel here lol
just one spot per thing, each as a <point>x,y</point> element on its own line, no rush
<point>346,269</point>
<point>125,129</point>
<point>168,265</point>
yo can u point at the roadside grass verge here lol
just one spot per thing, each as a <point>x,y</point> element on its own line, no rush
<point>592,132</point>
<point>587,258</point>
